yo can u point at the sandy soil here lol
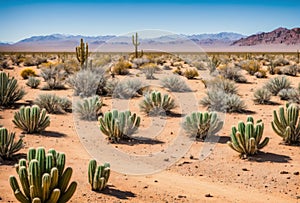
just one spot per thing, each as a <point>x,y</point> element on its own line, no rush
<point>271,176</point>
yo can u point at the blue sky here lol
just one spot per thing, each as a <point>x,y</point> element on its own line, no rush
<point>22,19</point>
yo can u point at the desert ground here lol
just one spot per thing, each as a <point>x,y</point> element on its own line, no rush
<point>272,175</point>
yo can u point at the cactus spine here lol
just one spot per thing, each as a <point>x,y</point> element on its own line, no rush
<point>98,176</point>
<point>117,125</point>
<point>287,125</point>
<point>246,139</point>
<point>136,43</point>
<point>40,179</point>
<point>31,119</point>
<point>201,125</point>
<point>82,53</point>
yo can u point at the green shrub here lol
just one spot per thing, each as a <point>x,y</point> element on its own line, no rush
<point>98,175</point>
<point>262,96</point>
<point>175,84</point>
<point>191,73</point>
<point>8,146</point>
<point>43,178</point>
<point>89,108</point>
<point>9,90</point>
<point>121,68</point>
<point>27,72</point>
<point>33,82</point>
<point>53,104</point>
<point>250,66</point>
<point>31,119</point>
<point>119,125</point>
<point>246,138</point>
<point>200,125</point>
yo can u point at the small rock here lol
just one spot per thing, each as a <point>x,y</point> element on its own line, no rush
<point>244,169</point>
<point>296,173</point>
<point>284,172</point>
<point>181,196</point>
<point>145,187</point>
<point>191,157</point>
<point>208,195</point>
<point>156,181</point>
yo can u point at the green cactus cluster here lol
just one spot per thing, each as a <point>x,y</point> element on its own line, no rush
<point>9,90</point>
<point>43,178</point>
<point>8,146</point>
<point>119,125</point>
<point>82,53</point>
<point>31,119</point>
<point>200,125</point>
<point>246,138</point>
<point>286,123</point>
<point>136,43</point>
<point>155,103</point>
<point>98,175</point>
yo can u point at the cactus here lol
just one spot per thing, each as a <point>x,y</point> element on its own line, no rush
<point>7,145</point>
<point>9,91</point>
<point>98,176</point>
<point>136,44</point>
<point>298,56</point>
<point>82,53</point>
<point>31,119</point>
<point>201,125</point>
<point>89,108</point>
<point>43,178</point>
<point>117,125</point>
<point>156,104</point>
<point>246,138</point>
<point>287,125</point>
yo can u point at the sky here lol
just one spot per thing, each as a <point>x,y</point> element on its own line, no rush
<point>25,18</point>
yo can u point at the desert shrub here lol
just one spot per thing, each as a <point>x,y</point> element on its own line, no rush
<point>87,83</point>
<point>287,125</point>
<point>102,61</point>
<point>119,125</point>
<point>250,66</point>
<point>200,125</point>
<point>222,84</point>
<point>218,100</point>
<point>33,82</point>
<point>149,70</point>
<point>8,146</point>
<point>155,103</point>
<point>175,84</point>
<point>121,68</point>
<point>260,74</point>
<point>45,172</point>
<point>291,70</point>
<point>178,71</point>
<point>137,62</point>
<point>214,63</point>
<point>280,62</point>
<point>31,119</point>
<point>27,72</point>
<point>9,90</point>
<point>53,104</point>
<point>4,65</point>
<point>128,88</point>
<point>274,85</point>
<point>200,65</point>
<point>284,93</point>
<point>232,73</point>
<point>246,138</point>
<point>40,60</point>
<point>98,175</point>
<point>110,86</point>
<point>262,96</point>
<point>29,61</point>
<point>90,108</point>
<point>54,76</point>
<point>16,59</point>
<point>191,73</point>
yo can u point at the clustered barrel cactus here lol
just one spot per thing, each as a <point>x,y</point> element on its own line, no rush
<point>246,138</point>
<point>8,146</point>
<point>155,103</point>
<point>117,125</point>
<point>31,119</point>
<point>201,125</point>
<point>43,178</point>
<point>9,90</point>
<point>287,125</point>
<point>98,176</point>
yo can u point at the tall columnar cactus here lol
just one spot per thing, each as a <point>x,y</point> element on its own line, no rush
<point>155,103</point>
<point>201,125</point>
<point>98,176</point>
<point>43,178</point>
<point>298,56</point>
<point>246,138</point>
<point>31,119</point>
<point>9,90</point>
<point>117,125</point>
<point>8,146</point>
<point>82,53</point>
<point>136,43</point>
<point>287,125</point>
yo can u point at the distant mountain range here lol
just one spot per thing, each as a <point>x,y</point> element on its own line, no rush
<point>227,40</point>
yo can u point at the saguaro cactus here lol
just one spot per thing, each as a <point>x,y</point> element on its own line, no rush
<point>43,179</point>
<point>136,43</point>
<point>98,176</point>
<point>82,52</point>
<point>246,139</point>
<point>287,125</point>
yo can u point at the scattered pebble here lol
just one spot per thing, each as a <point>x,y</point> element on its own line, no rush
<point>284,172</point>
<point>208,195</point>
<point>296,173</point>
